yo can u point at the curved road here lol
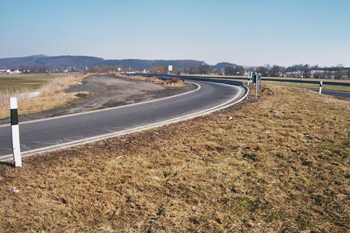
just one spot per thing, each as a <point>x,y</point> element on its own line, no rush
<point>60,132</point>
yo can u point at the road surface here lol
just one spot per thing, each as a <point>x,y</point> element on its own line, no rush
<point>343,94</point>
<point>65,131</point>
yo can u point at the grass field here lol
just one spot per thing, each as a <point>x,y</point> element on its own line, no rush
<point>314,86</point>
<point>307,85</point>
<point>50,87</point>
<point>311,79</point>
<point>20,82</point>
<point>281,164</point>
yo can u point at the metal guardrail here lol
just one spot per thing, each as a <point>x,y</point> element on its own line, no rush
<point>224,79</point>
<point>214,79</point>
<point>308,82</point>
<point>199,78</point>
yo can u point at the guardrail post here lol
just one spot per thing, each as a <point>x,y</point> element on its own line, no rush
<point>320,90</point>
<point>16,149</point>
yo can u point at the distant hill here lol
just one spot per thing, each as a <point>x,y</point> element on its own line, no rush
<point>223,65</point>
<point>39,55</point>
<point>81,62</point>
<point>54,62</point>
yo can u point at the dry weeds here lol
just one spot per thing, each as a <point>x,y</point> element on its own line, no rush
<point>174,82</point>
<point>51,96</point>
<point>281,164</point>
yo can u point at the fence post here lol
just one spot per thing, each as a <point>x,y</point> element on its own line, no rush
<point>16,149</point>
<point>320,90</point>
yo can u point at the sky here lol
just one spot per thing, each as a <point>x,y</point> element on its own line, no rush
<point>244,32</point>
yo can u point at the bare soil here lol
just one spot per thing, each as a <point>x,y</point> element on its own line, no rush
<point>106,91</point>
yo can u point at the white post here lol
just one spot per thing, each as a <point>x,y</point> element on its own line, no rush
<point>320,90</point>
<point>256,85</point>
<point>15,133</point>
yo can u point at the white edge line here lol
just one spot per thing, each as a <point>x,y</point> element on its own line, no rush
<point>133,130</point>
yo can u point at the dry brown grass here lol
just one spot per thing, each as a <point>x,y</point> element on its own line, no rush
<point>51,96</point>
<point>174,82</point>
<point>280,165</point>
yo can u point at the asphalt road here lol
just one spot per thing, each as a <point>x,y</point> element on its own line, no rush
<point>343,94</point>
<point>65,131</point>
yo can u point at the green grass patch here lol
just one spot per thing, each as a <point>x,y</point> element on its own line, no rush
<point>16,82</point>
<point>51,88</point>
<point>307,85</point>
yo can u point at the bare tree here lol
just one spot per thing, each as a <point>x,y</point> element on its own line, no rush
<point>276,71</point>
<point>262,70</point>
<point>158,69</point>
<point>230,70</point>
<point>234,70</point>
<point>205,69</point>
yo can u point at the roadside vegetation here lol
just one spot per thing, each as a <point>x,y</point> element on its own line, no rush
<point>276,164</point>
<point>50,89</point>
<point>173,82</point>
<point>312,86</point>
<point>23,82</point>
<point>308,85</point>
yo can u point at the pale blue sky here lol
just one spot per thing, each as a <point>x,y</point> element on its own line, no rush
<point>246,32</point>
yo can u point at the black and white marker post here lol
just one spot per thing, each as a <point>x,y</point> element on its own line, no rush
<point>256,85</point>
<point>249,77</point>
<point>256,79</point>
<point>15,132</point>
<point>320,90</point>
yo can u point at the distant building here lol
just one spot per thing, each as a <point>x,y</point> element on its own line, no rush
<point>8,71</point>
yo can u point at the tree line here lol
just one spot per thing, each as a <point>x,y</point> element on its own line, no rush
<point>305,71</point>
<point>295,71</point>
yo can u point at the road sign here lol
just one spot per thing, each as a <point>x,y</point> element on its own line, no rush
<point>256,78</point>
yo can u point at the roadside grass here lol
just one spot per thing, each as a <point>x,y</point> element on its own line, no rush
<point>281,164</point>
<point>311,79</point>
<point>23,82</point>
<point>174,82</point>
<point>51,93</point>
<point>307,85</point>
